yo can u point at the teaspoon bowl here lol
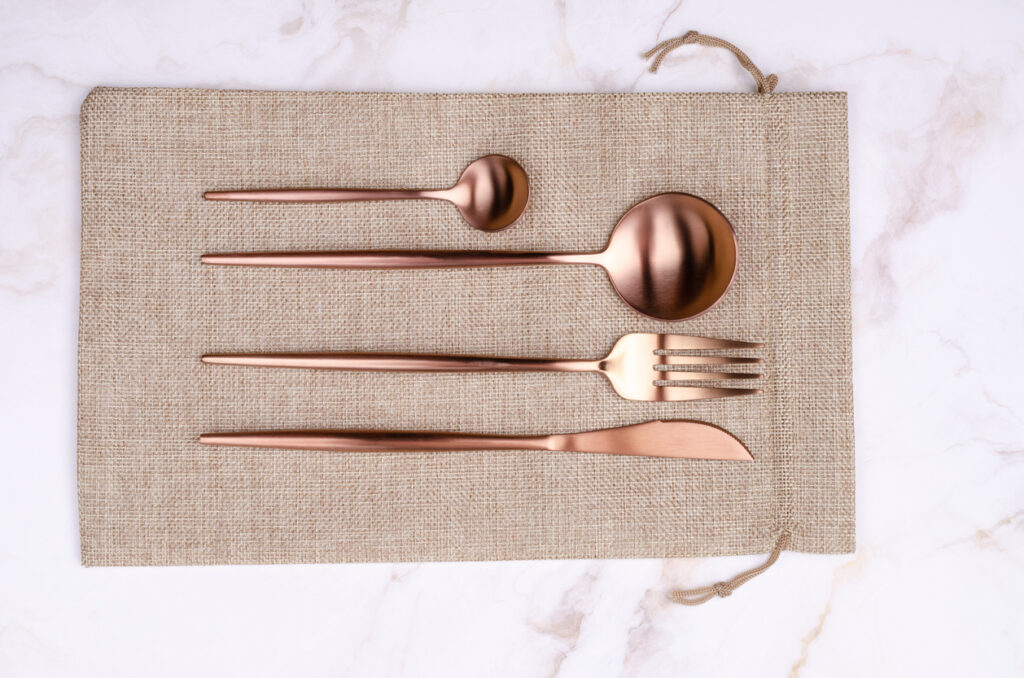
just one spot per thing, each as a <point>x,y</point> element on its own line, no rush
<point>492,193</point>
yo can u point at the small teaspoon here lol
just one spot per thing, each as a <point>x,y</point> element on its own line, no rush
<point>491,194</point>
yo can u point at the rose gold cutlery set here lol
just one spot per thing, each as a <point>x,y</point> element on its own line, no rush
<point>670,257</point>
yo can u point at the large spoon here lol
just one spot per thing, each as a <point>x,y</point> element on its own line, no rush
<point>670,257</point>
<point>491,193</point>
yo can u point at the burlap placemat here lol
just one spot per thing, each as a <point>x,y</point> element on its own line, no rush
<point>775,164</point>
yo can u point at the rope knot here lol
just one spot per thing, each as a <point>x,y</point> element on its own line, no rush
<point>722,589</point>
<point>689,37</point>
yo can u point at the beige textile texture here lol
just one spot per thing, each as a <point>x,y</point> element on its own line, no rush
<point>775,164</point>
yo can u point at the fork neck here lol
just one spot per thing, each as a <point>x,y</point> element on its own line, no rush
<point>560,365</point>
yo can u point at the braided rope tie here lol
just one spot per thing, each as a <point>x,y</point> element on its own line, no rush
<point>724,589</point>
<point>765,85</point>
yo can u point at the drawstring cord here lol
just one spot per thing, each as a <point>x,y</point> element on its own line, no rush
<point>765,85</point>
<point>724,589</point>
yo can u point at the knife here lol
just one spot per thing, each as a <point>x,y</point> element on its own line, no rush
<point>677,439</point>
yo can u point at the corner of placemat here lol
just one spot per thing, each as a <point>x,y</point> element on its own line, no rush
<point>92,101</point>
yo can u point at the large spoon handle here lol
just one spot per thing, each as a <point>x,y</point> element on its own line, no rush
<point>395,259</point>
<point>324,195</point>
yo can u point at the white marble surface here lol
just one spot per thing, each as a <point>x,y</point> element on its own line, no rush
<point>936,587</point>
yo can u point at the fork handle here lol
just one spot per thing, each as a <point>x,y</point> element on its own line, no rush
<point>402,362</point>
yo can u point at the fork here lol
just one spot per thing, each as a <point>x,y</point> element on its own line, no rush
<point>636,366</point>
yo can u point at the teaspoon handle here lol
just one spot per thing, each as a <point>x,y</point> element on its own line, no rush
<point>324,195</point>
<point>395,259</point>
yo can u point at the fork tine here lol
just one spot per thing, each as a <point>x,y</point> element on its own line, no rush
<point>686,375</point>
<point>682,342</point>
<point>683,392</point>
<point>682,360</point>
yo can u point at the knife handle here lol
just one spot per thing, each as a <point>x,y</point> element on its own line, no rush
<point>376,441</point>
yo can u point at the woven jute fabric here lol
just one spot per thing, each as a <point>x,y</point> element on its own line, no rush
<point>775,164</point>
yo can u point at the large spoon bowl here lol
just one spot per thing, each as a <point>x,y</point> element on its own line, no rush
<point>670,257</point>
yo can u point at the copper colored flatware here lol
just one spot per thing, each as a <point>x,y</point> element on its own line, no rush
<point>639,366</point>
<point>491,193</point>
<point>670,257</point>
<point>672,439</point>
